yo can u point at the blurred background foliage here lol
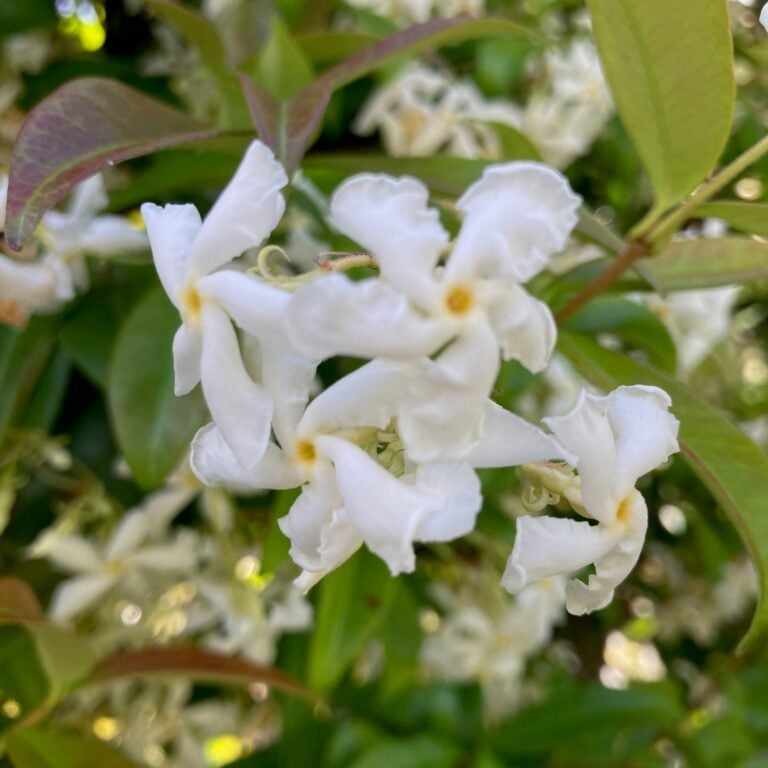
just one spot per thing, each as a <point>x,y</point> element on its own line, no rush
<point>652,680</point>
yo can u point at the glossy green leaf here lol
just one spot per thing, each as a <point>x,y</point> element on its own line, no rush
<point>85,126</point>
<point>669,65</point>
<point>53,747</point>
<point>152,425</point>
<point>352,602</point>
<point>49,391</point>
<point>751,218</point>
<point>709,262</point>
<point>729,464</point>
<point>633,323</point>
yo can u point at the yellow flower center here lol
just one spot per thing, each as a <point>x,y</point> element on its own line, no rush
<point>459,300</point>
<point>622,513</point>
<point>305,451</point>
<point>191,304</point>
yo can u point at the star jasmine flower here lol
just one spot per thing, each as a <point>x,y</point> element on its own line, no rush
<point>616,439</point>
<point>514,218</point>
<point>357,485</point>
<point>188,253</point>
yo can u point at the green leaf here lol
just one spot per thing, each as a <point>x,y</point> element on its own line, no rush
<point>153,427</point>
<point>633,323</point>
<point>193,663</point>
<point>53,747</point>
<point>283,68</point>
<point>326,48</point>
<point>709,262</point>
<point>670,68</point>
<point>729,464</point>
<point>22,677</point>
<point>18,600</point>
<point>49,391</point>
<point>515,145</point>
<point>751,218</point>
<point>85,126</point>
<point>353,601</point>
<point>414,752</point>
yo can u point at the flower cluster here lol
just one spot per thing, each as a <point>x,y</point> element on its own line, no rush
<point>386,455</point>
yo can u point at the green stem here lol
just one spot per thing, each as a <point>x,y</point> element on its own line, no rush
<point>672,222</point>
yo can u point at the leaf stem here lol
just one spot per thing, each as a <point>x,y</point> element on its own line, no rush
<point>634,250</point>
<point>662,231</point>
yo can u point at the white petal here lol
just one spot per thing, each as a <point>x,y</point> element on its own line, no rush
<point>506,440</point>
<point>551,546</point>
<point>112,236</point>
<point>524,326</point>
<point>289,379</point>
<point>614,566</point>
<point>88,199</point>
<point>256,307</point>
<point>386,511</point>
<point>178,557</point>
<point>25,288</point>
<point>441,417</point>
<point>73,554</point>
<point>336,316</point>
<point>586,432</point>
<point>76,595</point>
<point>367,397</point>
<point>309,518</point>
<point>187,353</point>
<point>764,17</point>
<point>391,218</point>
<point>130,533</point>
<point>171,230</point>
<point>515,217</point>
<point>214,464</point>
<point>645,432</point>
<point>241,409</point>
<point>246,212</point>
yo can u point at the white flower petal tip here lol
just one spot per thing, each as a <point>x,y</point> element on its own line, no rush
<point>516,217</point>
<point>764,17</point>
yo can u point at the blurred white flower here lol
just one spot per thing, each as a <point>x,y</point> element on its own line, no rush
<point>423,111</point>
<point>407,12</point>
<point>764,17</point>
<point>616,439</point>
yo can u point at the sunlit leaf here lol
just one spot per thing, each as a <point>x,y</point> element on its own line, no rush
<point>670,69</point>
<point>731,466</point>
<point>83,127</point>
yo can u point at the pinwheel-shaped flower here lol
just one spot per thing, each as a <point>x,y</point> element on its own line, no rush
<point>616,439</point>
<point>356,484</point>
<point>188,252</point>
<point>514,219</point>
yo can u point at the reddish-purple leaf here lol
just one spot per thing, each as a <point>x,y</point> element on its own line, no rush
<point>78,130</point>
<point>18,602</point>
<point>194,663</point>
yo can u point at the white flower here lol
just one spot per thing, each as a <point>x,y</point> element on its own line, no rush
<point>515,218</point>
<point>423,111</point>
<point>616,439</point>
<point>764,17</point>
<point>187,253</point>
<point>125,556</point>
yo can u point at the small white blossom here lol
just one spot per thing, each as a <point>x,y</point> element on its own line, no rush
<point>616,439</point>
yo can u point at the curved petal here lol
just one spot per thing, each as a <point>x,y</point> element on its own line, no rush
<point>25,286</point>
<point>645,432</point>
<point>392,219</point>
<point>213,463</point>
<point>336,316</point>
<point>586,432</point>
<point>506,440</point>
<point>112,236</point>
<point>241,409</point>
<point>258,308</point>
<point>130,533</point>
<point>289,379</point>
<point>76,595</point>
<point>187,353</point>
<point>367,397</point>
<point>613,567</point>
<point>171,230</point>
<point>551,546</point>
<point>88,198</point>
<point>515,217</point>
<point>73,554</point>
<point>246,212</point>
<point>441,415</point>
<point>524,326</point>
